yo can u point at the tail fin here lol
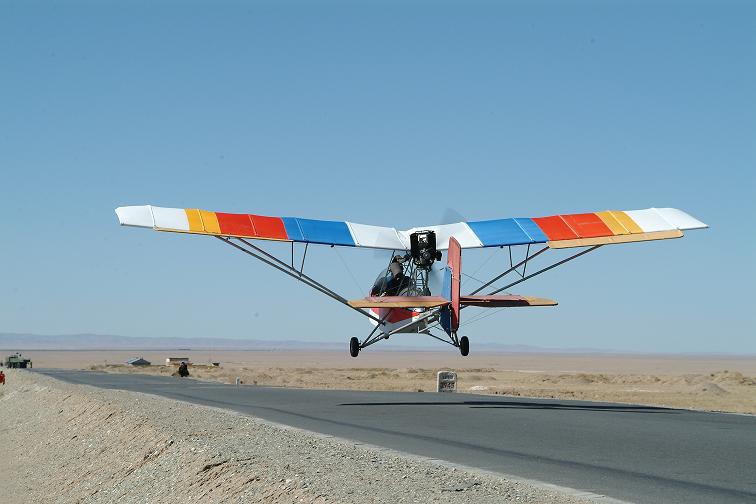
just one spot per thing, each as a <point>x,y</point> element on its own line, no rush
<point>452,275</point>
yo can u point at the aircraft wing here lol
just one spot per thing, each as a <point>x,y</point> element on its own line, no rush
<point>557,231</point>
<point>399,302</point>
<point>505,301</point>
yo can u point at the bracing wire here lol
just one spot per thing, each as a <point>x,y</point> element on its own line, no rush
<point>349,270</point>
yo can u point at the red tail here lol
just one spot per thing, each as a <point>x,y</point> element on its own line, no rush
<point>454,263</point>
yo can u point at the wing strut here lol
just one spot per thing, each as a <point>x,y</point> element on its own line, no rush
<point>544,270</point>
<point>524,261</point>
<point>278,264</point>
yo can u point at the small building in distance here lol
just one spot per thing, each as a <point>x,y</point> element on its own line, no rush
<point>175,361</point>
<point>138,361</point>
<point>17,361</point>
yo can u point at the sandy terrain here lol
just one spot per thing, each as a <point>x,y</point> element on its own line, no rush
<point>65,443</point>
<point>719,383</point>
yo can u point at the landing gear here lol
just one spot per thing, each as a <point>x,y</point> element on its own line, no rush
<point>354,346</point>
<point>464,346</point>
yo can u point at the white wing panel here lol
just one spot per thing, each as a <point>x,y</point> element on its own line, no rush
<point>680,219</point>
<point>649,220</point>
<point>137,216</point>
<point>170,218</point>
<point>376,237</point>
<point>461,231</point>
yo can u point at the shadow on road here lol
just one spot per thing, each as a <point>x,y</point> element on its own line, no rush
<point>616,408</point>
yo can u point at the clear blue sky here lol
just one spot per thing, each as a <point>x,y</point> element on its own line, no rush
<point>383,114</point>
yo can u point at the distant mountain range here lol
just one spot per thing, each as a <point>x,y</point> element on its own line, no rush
<point>17,341</point>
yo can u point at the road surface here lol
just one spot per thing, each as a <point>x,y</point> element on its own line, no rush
<point>634,453</point>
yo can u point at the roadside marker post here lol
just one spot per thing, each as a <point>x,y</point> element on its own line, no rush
<point>446,381</point>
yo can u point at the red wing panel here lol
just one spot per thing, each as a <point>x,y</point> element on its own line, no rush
<point>454,255</point>
<point>588,225</point>
<point>555,228</point>
<point>269,227</point>
<point>235,224</point>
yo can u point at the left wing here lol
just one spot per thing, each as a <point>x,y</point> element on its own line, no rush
<point>557,231</point>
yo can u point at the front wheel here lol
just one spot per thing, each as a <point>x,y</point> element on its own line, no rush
<point>354,346</point>
<point>464,346</point>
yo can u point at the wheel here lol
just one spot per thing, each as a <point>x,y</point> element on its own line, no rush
<point>354,347</point>
<point>464,346</point>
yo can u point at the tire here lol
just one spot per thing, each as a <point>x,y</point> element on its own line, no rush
<point>464,346</point>
<point>354,347</point>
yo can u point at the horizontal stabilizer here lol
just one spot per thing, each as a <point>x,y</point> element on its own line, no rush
<point>399,302</point>
<point>507,301</point>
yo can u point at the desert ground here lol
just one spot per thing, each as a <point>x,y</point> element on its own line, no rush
<point>703,382</point>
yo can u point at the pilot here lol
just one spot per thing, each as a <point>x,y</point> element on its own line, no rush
<point>398,280</point>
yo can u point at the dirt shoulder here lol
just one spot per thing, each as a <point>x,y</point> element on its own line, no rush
<point>71,443</point>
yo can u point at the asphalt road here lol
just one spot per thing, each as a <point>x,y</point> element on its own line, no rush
<point>634,453</point>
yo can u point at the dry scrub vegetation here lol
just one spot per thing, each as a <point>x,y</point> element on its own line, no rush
<point>724,390</point>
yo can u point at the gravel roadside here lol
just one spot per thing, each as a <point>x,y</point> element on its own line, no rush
<point>65,443</point>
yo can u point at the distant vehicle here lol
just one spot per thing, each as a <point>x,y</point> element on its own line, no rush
<point>138,361</point>
<point>400,300</point>
<point>17,361</point>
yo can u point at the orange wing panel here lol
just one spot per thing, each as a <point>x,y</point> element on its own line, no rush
<point>555,228</point>
<point>587,225</point>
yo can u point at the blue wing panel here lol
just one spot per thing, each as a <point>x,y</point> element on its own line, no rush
<point>532,229</point>
<point>326,232</point>
<point>292,229</point>
<point>492,233</point>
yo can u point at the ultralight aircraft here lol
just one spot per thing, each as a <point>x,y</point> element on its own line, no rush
<point>400,300</point>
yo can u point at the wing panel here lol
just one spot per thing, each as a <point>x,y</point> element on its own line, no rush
<point>628,223</point>
<point>612,223</point>
<point>532,229</point>
<point>195,221</point>
<point>236,225</point>
<point>293,231</point>
<point>376,237</point>
<point>498,232</point>
<point>680,219</point>
<point>649,220</point>
<point>555,228</point>
<point>137,216</point>
<point>326,232</point>
<point>271,228</point>
<point>587,225</point>
<point>210,222</point>
<point>170,218</point>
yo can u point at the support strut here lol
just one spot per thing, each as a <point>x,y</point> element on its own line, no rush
<point>275,262</point>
